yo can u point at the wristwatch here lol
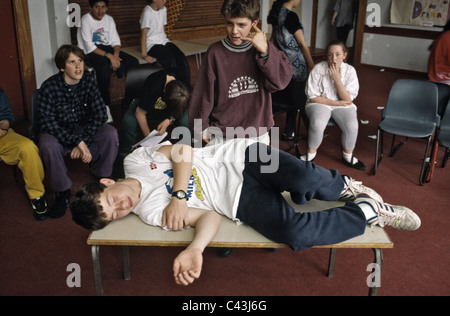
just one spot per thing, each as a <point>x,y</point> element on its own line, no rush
<point>106,54</point>
<point>180,194</point>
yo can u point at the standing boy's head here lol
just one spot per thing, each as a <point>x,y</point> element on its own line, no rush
<point>241,9</point>
<point>240,17</point>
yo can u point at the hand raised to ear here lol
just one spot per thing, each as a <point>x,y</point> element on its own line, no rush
<point>258,39</point>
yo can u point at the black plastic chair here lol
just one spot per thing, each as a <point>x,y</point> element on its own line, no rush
<point>281,103</point>
<point>134,84</point>
<point>411,111</point>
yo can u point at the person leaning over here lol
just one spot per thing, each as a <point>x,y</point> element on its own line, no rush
<point>164,102</point>
<point>72,118</point>
<point>16,149</point>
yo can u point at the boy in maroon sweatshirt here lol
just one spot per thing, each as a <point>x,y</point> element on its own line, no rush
<point>232,94</point>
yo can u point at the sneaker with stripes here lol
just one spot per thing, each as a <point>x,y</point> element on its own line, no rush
<point>354,188</point>
<point>399,217</point>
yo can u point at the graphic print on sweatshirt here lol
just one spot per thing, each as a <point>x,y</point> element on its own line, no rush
<point>242,85</point>
<point>193,186</point>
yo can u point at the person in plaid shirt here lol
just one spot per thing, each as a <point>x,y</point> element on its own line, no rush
<point>72,118</point>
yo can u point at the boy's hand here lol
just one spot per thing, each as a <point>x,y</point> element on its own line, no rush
<point>175,215</point>
<point>258,39</point>
<point>187,266</point>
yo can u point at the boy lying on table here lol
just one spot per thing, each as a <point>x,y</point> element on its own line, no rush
<point>174,186</point>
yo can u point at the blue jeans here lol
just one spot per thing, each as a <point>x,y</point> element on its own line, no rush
<point>262,206</point>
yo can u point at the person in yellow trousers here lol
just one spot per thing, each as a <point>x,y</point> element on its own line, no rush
<point>16,149</point>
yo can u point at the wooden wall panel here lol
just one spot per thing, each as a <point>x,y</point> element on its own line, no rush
<point>188,19</point>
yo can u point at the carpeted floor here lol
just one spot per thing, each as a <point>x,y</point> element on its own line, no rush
<point>35,256</point>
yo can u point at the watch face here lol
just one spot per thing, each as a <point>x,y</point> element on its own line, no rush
<point>181,194</point>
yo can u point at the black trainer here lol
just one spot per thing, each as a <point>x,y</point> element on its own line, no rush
<point>60,204</point>
<point>40,209</point>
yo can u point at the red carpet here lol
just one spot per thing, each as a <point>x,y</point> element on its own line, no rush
<point>34,256</point>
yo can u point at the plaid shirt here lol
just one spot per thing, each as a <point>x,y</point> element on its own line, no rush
<point>71,115</point>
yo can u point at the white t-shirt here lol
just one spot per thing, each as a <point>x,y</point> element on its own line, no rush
<point>94,32</point>
<point>215,184</point>
<point>154,21</point>
<point>320,83</point>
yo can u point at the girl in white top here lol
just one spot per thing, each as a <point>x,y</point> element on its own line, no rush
<point>332,86</point>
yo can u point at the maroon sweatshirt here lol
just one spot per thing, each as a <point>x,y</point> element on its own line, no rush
<point>234,86</point>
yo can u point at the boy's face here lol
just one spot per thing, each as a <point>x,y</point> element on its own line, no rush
<point>237,28</point>
<point>118,199</point>
<point>99,10</point>
<point>158,4</point>
<point>74,69</point>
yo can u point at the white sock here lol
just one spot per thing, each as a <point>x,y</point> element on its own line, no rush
<point>310,156</point>
<point>348,158</point>
<point>368,211</point>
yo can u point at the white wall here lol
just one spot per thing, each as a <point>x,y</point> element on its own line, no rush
<point>48,32</point>
<point>394,51</point>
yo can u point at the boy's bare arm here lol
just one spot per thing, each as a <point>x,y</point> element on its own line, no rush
<point>175,215</point>
<point>187,265</point>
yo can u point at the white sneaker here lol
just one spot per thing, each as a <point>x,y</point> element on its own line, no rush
<point>399,217</point>
<point>110,118</point>
<point>355,188</point>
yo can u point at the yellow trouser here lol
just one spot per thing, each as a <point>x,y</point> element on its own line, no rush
<point>16,149</point>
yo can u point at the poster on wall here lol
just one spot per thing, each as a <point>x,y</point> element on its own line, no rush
<point>420,12</point>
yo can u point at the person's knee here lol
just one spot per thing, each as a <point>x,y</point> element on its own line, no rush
<point>48,144</point>
<point>28,148</point>
<point>110,135</point>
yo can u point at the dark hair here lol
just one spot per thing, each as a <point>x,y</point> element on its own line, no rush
<point>272,18</point>
<point>92,2</point>
<point>63,54</point>
<point>241,9</point>
<point>86,208</point>
<point>177,96</point>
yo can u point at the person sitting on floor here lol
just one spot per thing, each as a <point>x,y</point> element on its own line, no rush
<point>18,150</point>
<point>174,186</point>
<point>72,119</point>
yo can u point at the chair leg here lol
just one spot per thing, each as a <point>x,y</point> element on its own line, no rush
<point>426,159</point>
<point>429,171</point>
<point>297,134</point>
<point>446,156</point>
<point>394,149</point>
<point>379,150</point>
